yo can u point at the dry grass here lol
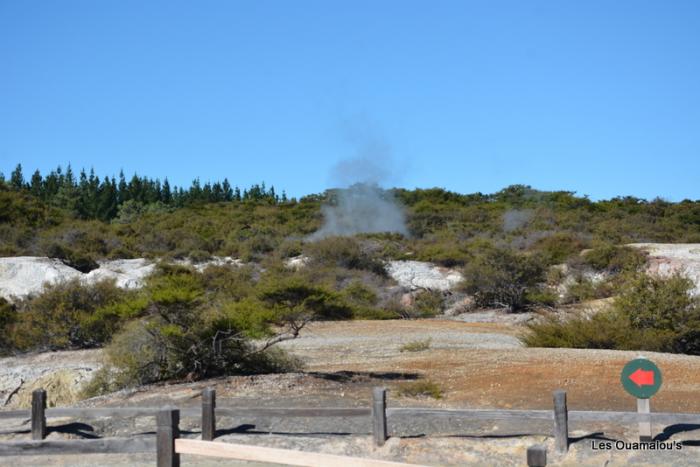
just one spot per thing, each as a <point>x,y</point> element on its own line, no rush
<point>423,387</point>
<point>416,346</point>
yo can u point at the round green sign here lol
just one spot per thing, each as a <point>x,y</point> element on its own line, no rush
<point>641,378</point>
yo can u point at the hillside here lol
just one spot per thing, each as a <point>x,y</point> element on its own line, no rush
<point>310,301</point>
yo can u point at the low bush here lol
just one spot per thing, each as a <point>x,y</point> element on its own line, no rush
<point>502,278</point>
<point>423,387</point>
<point>344,252</point>
<point>416,346</point>
<point>67,316</point>
<point>428,303</point>
<point>583,289</point>
<point>557,248</point>
<point>614,259</point>
<point>8,316</point>
<point>651,313</point>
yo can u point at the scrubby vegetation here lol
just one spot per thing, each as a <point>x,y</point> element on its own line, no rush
<point>64,216</point>
<point>183,324</point>
<point>650,313</point>
<point>421,388</point>
<point>416,346</point>
<point>519,248</point>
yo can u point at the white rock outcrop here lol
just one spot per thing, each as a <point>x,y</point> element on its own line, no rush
<point>21,276</point>
<point>421,275</point>
<point>24,275</point>
<point>128,273</point>
<point>214,261</point>
<point>668,258</point>
<point>297,262</point>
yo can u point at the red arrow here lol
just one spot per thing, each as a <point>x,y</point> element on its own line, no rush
<point>642,378</point>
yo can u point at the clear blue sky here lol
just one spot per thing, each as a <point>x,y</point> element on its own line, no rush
<point>598,97</point>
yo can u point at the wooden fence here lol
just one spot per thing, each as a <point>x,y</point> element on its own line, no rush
<point>168,445</point>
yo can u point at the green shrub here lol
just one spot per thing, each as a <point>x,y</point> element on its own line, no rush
<point>416,346</point>
<point>604,330</point>
<point>652,313</point>
<point>448,252</point>
<point>659,303</point>
<point>614,258</point>
<point>8,316</point>
<point>344,252</point>
<point>61,317</point>
<point>584,289</point>
<point>423,387</point>
<point>81,261</point>
<point>502,278</point>
<point>541,296</point>
<point>359,294</point>
<point>428,303</point>
<point>295,303</point>
<point>290,248</point>
<point>181,337</point>
<point>199,256</point>
<point>557,248</point>
<point>229,283</point>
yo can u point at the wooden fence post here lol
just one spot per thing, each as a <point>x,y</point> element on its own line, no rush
<point>537,456</point>
<point>168,422</point>
<point>208,414</point>
<point>561,422</point>
<point>38,414</point>
<point>379,416</point>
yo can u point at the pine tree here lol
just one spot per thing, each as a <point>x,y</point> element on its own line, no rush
<point>16,178</point>
<point>67,196</point>
<point>122,189</point>
<point>166,195</point>
<point>107,200</point>
<point>35,185</point>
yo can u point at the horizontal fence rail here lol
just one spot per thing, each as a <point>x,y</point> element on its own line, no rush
<point>474,414</point>
<point>78,446</point>
<point>379,418</point>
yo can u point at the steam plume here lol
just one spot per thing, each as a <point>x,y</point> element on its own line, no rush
<point>363,206</point>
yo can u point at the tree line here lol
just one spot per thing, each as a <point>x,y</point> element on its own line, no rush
<point>89,197</point>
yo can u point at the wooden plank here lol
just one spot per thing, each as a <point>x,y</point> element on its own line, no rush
<point>168,423</point>
<point>561,422</point>
<point>475,414</point>
<point>379,429</point>
<point>38,415</point>
<point>537,456</point>
<point>208,415</point>
<point>10,414</point>
<point>274,455</point>
<point>296,412</point>
<point>643,408</point>
<point>106,412</point>
<point>102,412</point>
<point>665,418</point>
<point>77,446</point>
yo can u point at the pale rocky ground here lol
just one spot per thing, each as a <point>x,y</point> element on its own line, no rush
<point>421,275</point>
<point>669,258</point>
<point>25,275</point>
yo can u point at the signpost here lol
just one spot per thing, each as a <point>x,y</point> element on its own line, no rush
<point>642,379</point>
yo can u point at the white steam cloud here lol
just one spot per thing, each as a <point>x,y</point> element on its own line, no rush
<point>361,205</point>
